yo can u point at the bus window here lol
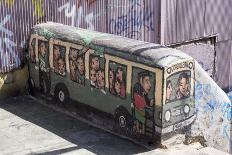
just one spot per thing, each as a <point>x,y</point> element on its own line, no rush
<point>59,59</point>
<point>178,86</point>
<point>77,66</point>
<point>117,79</point>
<point>32,51</point>
<point>97,72</point>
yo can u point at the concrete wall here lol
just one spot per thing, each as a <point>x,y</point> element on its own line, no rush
<point>13,83</point>
<point>214,112</point>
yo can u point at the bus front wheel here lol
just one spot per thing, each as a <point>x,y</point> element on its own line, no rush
<point>61,94</point>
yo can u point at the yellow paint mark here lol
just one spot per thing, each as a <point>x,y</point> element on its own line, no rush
<point>38,8</point>
<point>9,3</point>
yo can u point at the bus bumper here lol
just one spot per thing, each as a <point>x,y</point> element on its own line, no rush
<point>174,127</point>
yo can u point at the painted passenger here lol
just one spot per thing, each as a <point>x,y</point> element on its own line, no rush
<point>141,99</point>
<point>95,63</point>
<point>61,66</point>
<point>73,54</point>
<point>117,86</point>
<point>73,69</point>
<point>80,74</point>
<point>168,91</point>
<point>93,78</point>
<point>56,56</point>
<point>100,80</point>
<point>120,76</point>
<point>111,82</point>
<point>73,64</point>
<point>183,86</point>
<point>44,80</point>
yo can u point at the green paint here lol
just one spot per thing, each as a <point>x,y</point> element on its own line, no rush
<point>99,51</point>
<point>46,33</point>
<point>88,36</point>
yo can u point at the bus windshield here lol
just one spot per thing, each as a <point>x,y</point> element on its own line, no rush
<point>178,86</point>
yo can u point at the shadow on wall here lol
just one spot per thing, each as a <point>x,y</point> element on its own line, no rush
<point>13,83</point>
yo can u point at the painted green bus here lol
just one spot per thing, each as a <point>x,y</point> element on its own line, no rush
<point>146,87</point>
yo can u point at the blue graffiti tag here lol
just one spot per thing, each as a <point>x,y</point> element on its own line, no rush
<point>9,57</point>
<point>131,24</point>
<point>227,111</point>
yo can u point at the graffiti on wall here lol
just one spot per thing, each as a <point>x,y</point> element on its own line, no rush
<point>76,13</point>
<point>8,56</point>
<point>136,20</point>
<point>215,111</point>
<point>38,8</point>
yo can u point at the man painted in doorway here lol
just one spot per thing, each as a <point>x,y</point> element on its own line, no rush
<point>44,80</point>
<point>141,99</point>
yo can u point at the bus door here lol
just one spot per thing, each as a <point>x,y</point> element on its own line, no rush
<point>44,69</point>
<point>33,64</point>
<point>143,86</point>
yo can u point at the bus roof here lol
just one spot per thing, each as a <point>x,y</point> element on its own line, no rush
<point>144,52</point>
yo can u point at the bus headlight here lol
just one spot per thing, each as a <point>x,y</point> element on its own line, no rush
<point>186,109</point>
<point>167,115</point>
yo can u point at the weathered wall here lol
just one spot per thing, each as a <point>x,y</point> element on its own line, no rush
<point>203,51</point>
<point>185,20</point>
<point>13,83</point>
<point>214,112</point>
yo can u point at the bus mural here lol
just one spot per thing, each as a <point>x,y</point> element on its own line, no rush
<point>147,90</point>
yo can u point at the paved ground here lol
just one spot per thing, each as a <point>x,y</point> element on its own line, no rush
<point>28,127</point>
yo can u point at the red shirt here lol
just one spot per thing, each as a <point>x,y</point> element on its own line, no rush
<point>139,101</point>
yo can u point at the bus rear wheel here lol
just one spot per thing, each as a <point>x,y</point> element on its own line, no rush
<point>61,94</point>
<point>123,119</point>
<point>30,87</point>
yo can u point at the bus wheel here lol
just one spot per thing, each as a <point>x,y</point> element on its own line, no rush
<point>61,94</point>
<point>123,118</point>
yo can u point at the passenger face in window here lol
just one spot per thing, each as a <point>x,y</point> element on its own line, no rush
<point>183,84</point>
<point>61,67</point>
<point>56,51</point>
<point>168,90</point>
<point>73,54</point>
<point>111,81</point>
<point>119,74</point>
<point>145,83</point>
<point>93,77</point>
<point>95,63</point>
<point>73,71</point>
<point>80,65</point>
<point>111,77</point>
<point>100,79</point>
<point>117,87</point>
